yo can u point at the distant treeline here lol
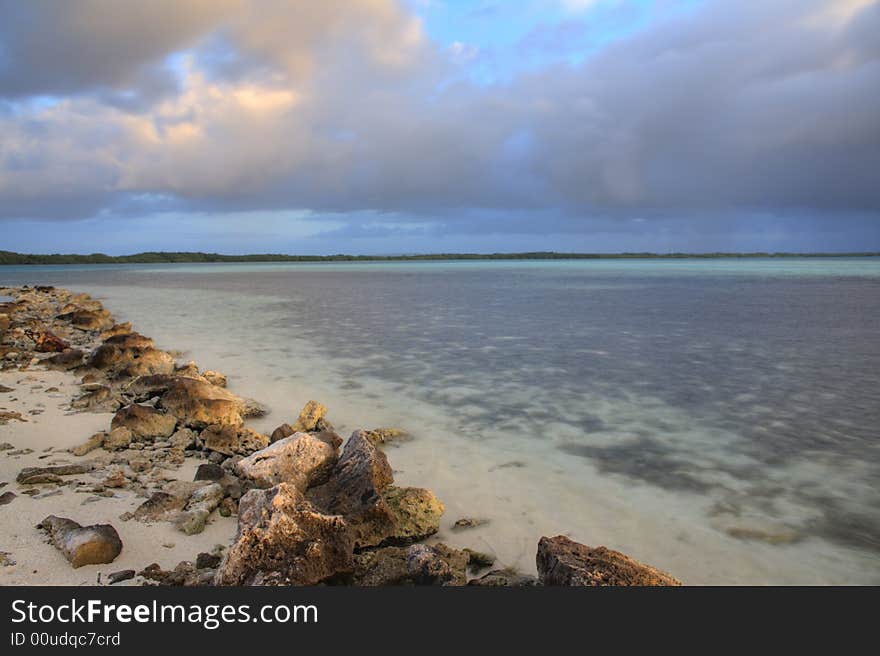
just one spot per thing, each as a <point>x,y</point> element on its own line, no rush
<point>7,257</point>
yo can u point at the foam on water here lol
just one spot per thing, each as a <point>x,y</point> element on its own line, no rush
<point>718,423</point>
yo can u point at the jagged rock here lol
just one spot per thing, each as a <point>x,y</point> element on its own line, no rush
<point>33,475</point>
<point>190,369</point>
<point>416,513</point>
<point>284,540</point>
<point>384,436</point>
<point>381,567</point>
<point>378,514</point>
<point>562,561</point>
<point>301,459</point>
<point>253,408</point>
<point>284,430</point>
<point>144,422</point>
<point>184,574</point>
<point>161,506</point>
<point>311,418</point>
<point>118,438</point>
<point>206,560</point>
<point>88,319</point>
<point>436,565</point>
<point>115,479</point>
<point>47,342</point>
<point>183,438</point>
<point>505,578</point>
<point>83,545</point>
<point>94,442</point>
<point>100,399</point>
<point>66,360</point>
<point>230,440</point>
<point>146,363</point>
<point>200,505</point>
<point>198,404</point>
<point>209,471</point>
<point>117,329</point>
<point>228,507</point>
<point>215,378</point>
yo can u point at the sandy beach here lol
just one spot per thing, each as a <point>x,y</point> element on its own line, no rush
<point>48,436</point>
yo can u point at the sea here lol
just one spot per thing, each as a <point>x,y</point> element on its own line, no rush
<point>716,418</point>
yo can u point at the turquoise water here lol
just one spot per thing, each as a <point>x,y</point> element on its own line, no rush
<point>717,418</point>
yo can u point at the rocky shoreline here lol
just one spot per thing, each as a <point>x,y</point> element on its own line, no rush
<point>310,509</point>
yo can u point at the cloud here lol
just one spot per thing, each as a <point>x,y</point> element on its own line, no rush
<point>347,106</point>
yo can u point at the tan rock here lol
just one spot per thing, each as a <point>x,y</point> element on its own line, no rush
<point>562,561</point>
<point>301,459</point>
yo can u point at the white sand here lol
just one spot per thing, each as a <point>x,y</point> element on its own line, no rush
<point>49,434</point>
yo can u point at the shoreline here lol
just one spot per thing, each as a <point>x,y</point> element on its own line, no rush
<point>142,483</point>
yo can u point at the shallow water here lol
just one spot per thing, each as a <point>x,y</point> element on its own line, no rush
<point>716,418</point>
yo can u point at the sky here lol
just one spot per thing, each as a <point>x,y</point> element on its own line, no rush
<point>418,126</point>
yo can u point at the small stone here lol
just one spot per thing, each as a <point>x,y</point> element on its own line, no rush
<point>94,442</point>
<point>6,498</point>
<point>118,577</point>
<point>209,471</point>
<point>468,522</point>
<point>311,418</point>
<point>207,560</point>
<point>478,560</point>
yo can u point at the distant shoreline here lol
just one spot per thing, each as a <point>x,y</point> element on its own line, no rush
<point>10,258</point>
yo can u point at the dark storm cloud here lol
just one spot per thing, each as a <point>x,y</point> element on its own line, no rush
<point>732,107</point>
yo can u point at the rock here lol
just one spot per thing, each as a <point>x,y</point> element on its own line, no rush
<point>120,576</point>
<point>284,540</point>
<point>66,360</point>
<point>200,505</point>
<point>199,404</point>
<point>6,416</point>
<point>184,574</point>
<point>47,342</point>
<point>101,399</point>
<point>183,438</point>
<point>468,522</point>
<point>88,319</point>
<point>33,475</point>
<point>311,418</point>
<point>378,514</point>
<point>228,507</point>
<point>207,560</point>
<point>118,438</point>
<point>381,567</point>
<point>83,545</point>
<point>284,430</point>
<point>478,560</point>
<point>215,378</point>
<point>416,514</point>
<point>6,498</point>
<point>383,436</point>
<point>117,329</point>
<point>94,442</point>
<point>116,479</point>
<point>144,421</point>
<point>301,459</point>
<point>253,408</point>
<point>436,565</point>
<point>230,440</point>
<point>209,472</point>
<point>139,464</point>
<point>505,578</point>
<point>190,369</point>
<point>562,561</point>
<point>147,362</point>
<point>5,390</point>
<point>161,506</point>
